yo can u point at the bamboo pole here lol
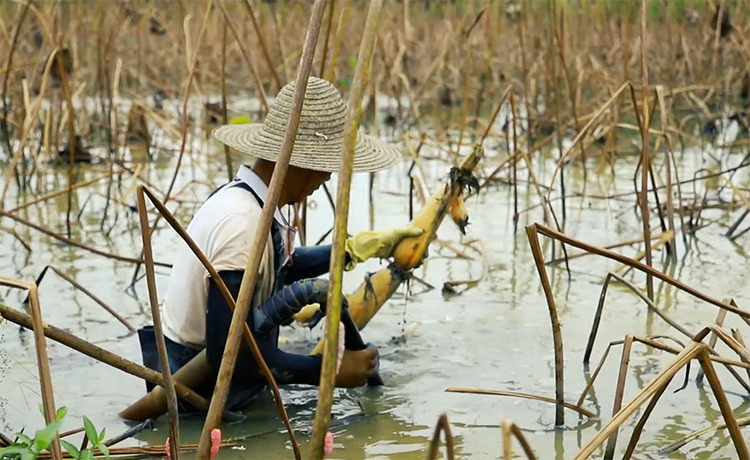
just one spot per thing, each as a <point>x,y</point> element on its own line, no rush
<point>45,377</point>
<point>249,278</point>
<point>338,253</point>
<point>161,346</point>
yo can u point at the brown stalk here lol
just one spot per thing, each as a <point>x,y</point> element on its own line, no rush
<point>90,294</point>
<point>511,429</point>
<point>627,346</point>
<point>71,117</point>
<point>263,46</point>
<point>442,426</point>
<point>600,307</point>
<point>329,24</point>
<point>249,278</point>
<point>45,377</point>
<point>695,349</point>
<point>56,193</point>
<point>161,347</point>
<point>224,115</point>
<point>536,250</point>
<point>663,379</point>
<point>575,407</point>
<point>743,421</point>
<point>8,67</point>
<point>645,154</point>
<point>536,228</point>
<point>17,237</point>
<point>340,25</point>
<point>737,335</point>
<point>240,43</point>
<point>670,208</point>
<point>193,60</point>
<point>27,125</point>
<point>71,242</point>
<point>720,317</point>
<point>581,134</point>
<point>338,250</point>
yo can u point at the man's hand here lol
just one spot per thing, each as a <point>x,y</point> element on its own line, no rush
<point>369,244</point>
<point>356,367</point>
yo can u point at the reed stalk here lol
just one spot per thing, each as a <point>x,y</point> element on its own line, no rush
<point>574,407</point>
<point>340,25</point>
<point>161,347</point>
<point>338,252</point>
<point>263,46</point>
<point>536,250</point>
<point>445,427</point>
<point>40,345</point>
<point>88,293</point>
<point>244,298</point>
<point>536,228</point>
<point>8,67</point>
<point>645,154</point>
<point>510,429</point>
<point>240,43</point>
<point>74,243</point>
<point>224,116</point>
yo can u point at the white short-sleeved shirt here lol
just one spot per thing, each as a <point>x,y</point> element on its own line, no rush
<point>224,229</point>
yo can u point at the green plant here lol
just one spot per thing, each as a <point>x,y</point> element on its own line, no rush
<point>96,440</point>
<point>25,448</point>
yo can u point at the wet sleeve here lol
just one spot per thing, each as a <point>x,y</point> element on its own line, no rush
<point>309,262</point>
<point>286,367</point>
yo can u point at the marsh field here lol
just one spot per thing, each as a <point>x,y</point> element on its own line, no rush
<point>584,276</point>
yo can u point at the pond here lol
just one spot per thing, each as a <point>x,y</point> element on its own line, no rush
<point>495,335</point>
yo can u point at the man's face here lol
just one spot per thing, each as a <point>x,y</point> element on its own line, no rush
<point>303,182</point>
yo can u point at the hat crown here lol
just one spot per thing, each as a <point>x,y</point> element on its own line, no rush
<point>322,117</point>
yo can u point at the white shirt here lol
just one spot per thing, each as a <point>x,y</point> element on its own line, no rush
<point>224,229</point>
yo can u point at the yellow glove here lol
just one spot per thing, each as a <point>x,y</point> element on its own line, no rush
<point>304,316</point>
<point>369,244</point>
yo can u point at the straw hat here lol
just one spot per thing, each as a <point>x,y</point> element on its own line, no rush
<point>319,136</point>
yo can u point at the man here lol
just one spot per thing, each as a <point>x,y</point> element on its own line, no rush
<point>195,315</point>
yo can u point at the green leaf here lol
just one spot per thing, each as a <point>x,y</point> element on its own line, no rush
<point>28,455</point>
<point>72,450</point>
<point>103,449</point>
<point>61,412</point>
<point>100,438</point>
<point>12,451</point>
<point>87,454</point>
<point>90,430</point>
<point>44,437</point>
<point>352,61</point>
<point>24,439</point>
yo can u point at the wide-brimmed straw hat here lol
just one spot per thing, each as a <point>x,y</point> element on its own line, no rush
<point>319,136</point>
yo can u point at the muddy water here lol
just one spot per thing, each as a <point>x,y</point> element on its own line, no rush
<point>495,335</point>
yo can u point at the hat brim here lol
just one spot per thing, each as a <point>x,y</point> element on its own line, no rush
<point>370,154</point>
